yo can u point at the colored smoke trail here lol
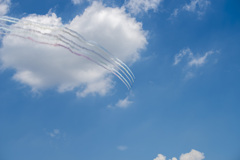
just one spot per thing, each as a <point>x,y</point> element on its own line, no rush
<point>60,36</point>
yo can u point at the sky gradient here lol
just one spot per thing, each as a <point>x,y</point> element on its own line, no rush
<point>183,105</point>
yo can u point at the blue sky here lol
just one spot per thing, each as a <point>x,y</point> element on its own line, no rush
<point>184,101</point>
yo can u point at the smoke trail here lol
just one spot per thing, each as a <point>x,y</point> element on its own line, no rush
<point>60,36</point>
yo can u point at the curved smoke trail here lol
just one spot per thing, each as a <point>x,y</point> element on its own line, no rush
<point>61,36</point>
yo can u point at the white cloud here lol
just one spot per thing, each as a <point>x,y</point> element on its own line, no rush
<point>178,57</point>
<point>54,133</point>
<point>4,6</point>
<point>175,13</point>
<point>198,6</point>
<point>192,155</point>
<point>197,61</point>
<point>77,1</point>
<point>122,148</point>
<point>191,59</point>
<point>114,29</point>
<point>137,6</point>
<point>122,103</point>
<point>160,157</point>
<point>195,6</point>
<point>42,67</point>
